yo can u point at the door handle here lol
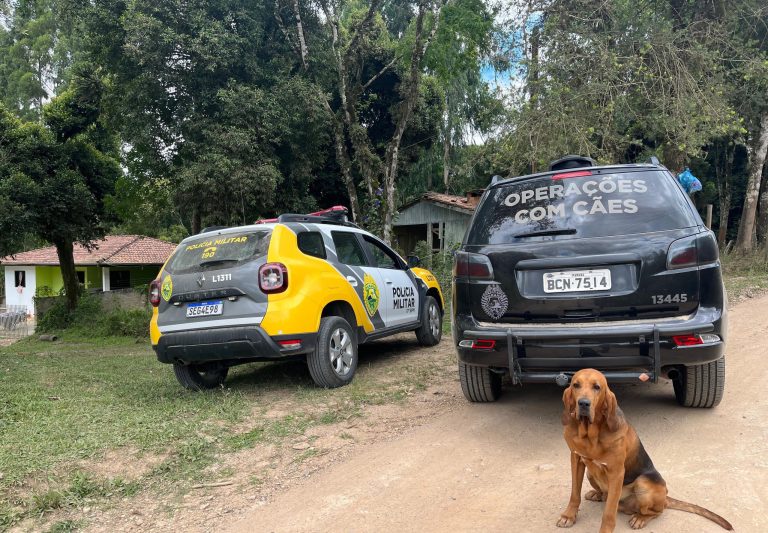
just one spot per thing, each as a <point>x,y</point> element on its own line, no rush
<point>388,281</point>
<point>352,280</point>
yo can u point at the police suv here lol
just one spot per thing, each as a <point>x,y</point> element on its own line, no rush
<point>314,286</point>
<point>609,267</point>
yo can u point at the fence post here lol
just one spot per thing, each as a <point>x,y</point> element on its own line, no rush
<point>709,216</point>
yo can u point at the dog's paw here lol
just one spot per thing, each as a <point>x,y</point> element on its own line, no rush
<point>638,521</point>
<point>594,496</point>
<point>566,520</point>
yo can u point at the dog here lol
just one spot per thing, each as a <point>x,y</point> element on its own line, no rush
<point>618,467</point>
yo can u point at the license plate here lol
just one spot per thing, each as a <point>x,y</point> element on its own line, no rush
<point>577,281</point>
<point>205,309</point>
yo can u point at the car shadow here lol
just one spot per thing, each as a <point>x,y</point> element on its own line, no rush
<point>293,372</point>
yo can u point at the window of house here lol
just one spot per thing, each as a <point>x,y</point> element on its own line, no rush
<point>119,279</point>
<point>20,278</point>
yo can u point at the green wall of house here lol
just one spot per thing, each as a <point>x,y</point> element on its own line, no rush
<point>50,283</point>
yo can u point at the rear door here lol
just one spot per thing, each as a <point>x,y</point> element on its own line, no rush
<point>212,281</point>
<point>583,245</point>
<point>400,298</point>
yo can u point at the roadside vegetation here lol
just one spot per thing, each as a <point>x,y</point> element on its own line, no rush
<point>746,275</point>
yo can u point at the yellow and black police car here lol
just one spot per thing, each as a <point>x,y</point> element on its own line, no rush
<point>313,285</point>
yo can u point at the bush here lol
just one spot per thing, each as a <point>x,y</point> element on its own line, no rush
<point>90,319</point>
<point>440,264</point>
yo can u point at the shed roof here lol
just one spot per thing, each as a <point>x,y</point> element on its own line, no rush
<point>461,202</point>
<point>113,250</point>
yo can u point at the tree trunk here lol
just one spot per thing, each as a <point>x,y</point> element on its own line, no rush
<point>197,220</point>
<point>420,46</point>
<point>68,274</point>
<point>762,212</point>
<point>757,152</point>
<point>725,207</point>
<point>300,31</point>
<point>533,74</point>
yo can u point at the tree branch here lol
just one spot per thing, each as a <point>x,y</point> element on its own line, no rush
<point>379,74</point>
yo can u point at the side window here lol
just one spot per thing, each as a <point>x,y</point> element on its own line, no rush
<point>311,243</point>
<point>382,256</point>
<point>348,249</point>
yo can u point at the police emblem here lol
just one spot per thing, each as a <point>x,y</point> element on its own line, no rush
<point>370,294</point>
<point>494,302</point>
<point>166,290</point>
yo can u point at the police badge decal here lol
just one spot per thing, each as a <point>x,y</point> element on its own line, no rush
<point>494,302</point>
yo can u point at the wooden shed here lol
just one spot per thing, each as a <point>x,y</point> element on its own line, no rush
<point>439,219</point>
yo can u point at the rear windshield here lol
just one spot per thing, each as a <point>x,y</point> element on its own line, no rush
<point>595,205</point>
<point>220,251</point>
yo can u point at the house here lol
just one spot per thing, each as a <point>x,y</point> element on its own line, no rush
<point>439,219</point>
<point>116,262</point>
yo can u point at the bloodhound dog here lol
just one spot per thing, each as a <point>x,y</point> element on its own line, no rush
<point>618,468</point>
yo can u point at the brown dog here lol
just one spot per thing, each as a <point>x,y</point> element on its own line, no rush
<point>618,468</point>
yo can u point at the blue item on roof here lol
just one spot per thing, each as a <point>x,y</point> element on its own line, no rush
<point>689,182</point>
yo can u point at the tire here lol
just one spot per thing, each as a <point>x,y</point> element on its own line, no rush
<point>478,383</point>
<point>334,360</point>
<point>201,377</point>
<point>701,385</point>
<point>431,330</point>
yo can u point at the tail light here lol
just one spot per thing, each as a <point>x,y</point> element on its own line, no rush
<point>574,174</point>
<point>292,344</point>
<point>693,251</point>
<point>478,344</point>
<point>475,266</point>
<point>695,340</point>
<point>273,278</point>
<point>154,292</point>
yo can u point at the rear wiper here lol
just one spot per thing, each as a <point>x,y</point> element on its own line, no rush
<point>563,231</point>
<point>217,262</point>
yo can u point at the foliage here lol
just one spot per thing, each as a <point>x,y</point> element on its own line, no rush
<point>440,264</point>
<point>90,320</point>
<point>54,176</point>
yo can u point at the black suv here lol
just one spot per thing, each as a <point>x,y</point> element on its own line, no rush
<point>608,267</point>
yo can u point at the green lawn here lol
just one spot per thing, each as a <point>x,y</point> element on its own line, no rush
<point>65,404</point>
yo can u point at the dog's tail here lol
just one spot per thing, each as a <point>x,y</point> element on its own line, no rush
<point>695,509</point>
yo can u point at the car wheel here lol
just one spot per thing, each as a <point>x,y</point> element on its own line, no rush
<point>431,330</point>
<point>201,377</point>
<point>479,384</point>
<point>334,360</point>
<point>701,385</point>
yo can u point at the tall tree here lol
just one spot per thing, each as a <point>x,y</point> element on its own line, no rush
<point>54,176</point>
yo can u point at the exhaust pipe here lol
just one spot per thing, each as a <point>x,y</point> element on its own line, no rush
<point>673,374</point>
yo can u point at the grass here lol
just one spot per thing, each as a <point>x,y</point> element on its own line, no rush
<point>65,404</point>
<point>745,274</point>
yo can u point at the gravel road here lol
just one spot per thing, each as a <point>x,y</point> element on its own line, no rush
<point>504,466</point>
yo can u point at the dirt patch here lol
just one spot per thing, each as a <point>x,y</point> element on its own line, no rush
<point>125,463</point>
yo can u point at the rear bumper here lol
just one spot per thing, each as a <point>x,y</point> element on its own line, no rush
<point>229,344</point>
<point>538,353</point>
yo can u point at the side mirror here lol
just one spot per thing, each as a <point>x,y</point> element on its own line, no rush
<point>413,261</point>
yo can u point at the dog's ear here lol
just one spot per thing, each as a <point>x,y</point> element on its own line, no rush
<point>610,406</point>
<point>569,407</point>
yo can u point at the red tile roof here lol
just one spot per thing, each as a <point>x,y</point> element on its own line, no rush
<point>112,250</point>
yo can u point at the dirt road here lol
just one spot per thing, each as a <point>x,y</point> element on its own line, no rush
<point>504,466</point>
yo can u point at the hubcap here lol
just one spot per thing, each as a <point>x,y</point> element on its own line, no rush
<point>434,320</point>
<point>341,352</point>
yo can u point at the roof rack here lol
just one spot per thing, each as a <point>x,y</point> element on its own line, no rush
<point>333,215</point>
<point>572,161</point>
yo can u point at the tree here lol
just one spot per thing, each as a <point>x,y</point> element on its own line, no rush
<point>54,176</point>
